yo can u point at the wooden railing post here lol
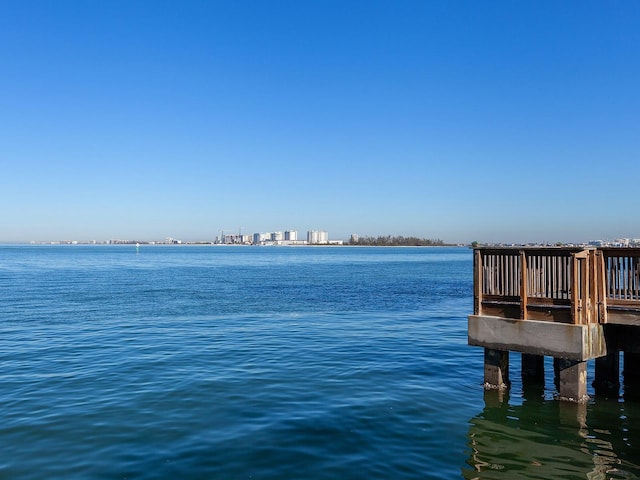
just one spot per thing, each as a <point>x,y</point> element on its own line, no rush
<point>593,288</point>
<point>602,287</point>
<point>575,283</point>
<point>477,282</point>
<point>523,285</point>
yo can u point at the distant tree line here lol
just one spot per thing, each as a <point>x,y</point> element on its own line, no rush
<point>397,241</point>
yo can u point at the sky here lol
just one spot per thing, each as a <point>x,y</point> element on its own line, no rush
<point>464,121</point>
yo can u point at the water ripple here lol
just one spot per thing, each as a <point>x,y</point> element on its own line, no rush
<point>268,364</point>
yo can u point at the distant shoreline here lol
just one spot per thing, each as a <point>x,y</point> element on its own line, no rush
<point>211,244</point>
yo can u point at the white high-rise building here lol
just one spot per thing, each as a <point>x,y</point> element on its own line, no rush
<point>291,235</point>
<point>317,237</point>
<point>260,238</point>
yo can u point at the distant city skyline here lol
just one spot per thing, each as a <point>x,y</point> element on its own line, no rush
<point>464,121</point>
<point>322,237</point>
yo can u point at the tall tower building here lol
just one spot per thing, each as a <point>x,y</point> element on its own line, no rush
<point>291,235</point>
<point>317,237</point>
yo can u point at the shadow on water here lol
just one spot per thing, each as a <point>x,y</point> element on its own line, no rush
<point>549,439</point>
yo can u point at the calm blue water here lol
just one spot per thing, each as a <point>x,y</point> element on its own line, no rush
<point>272,363</point>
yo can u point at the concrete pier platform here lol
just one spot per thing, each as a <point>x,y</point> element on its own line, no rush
<point>570,345</point>
<point>560,340</point>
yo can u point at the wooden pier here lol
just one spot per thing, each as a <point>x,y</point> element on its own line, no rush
<point>573,304</point>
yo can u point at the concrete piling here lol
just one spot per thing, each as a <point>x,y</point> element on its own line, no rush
<point>607,369</point>
<point>572,380</point>
<point>496,369</point>
<point>631,375</point>
<point>532,368</point>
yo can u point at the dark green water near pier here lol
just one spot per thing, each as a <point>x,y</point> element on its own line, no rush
<point>272,363</point>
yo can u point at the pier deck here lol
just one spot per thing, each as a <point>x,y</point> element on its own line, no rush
<point>571,303</point>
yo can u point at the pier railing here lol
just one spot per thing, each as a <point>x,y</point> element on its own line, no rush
<point>551,284</point>
<point>621,286</point>
<point>569,285</point>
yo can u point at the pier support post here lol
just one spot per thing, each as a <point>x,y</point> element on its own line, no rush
<point>607,378</point>
<point>571,379</point>
<point>631,375</point>
<point>532,375</point>
<point>496,369</point>
<point>607,371</point>
<point>532,368</point>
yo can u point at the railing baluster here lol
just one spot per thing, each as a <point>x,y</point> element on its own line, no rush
<point>538,275</point>
<point>636,278</point>
<point>629,284</point>
<point>507,278</point>
<point>623,277</point>
<point>552,261</point>
<point>563,278</point>
<point>547,282</point>
<point>514,276</point>
<point>503,280</point>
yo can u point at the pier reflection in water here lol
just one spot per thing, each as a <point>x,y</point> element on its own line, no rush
<point>548,439</point>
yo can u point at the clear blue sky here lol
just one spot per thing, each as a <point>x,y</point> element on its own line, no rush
<point>463,120</point>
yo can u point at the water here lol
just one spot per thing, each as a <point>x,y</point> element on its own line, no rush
<point>272,363</point>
